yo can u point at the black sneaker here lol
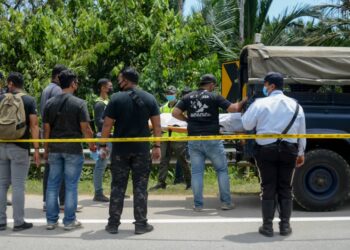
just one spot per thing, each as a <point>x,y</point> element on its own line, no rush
<point>3,227</point>
<point>101,198</point>
<point>143,228</point>
<point>24,226</point>
<point>112,229</point>
<point>188,186</point>
<point>158,186</point>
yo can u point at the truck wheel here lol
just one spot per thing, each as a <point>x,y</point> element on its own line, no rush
<point>323,183</point>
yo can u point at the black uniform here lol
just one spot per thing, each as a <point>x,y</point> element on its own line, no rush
<point>131,121</point>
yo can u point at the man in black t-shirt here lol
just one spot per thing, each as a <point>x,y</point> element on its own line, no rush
<point>65,116</point>
<point>14,158</point>
<point>202,107</point>
<point>129,111</point>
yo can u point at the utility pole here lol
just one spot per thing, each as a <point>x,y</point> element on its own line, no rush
<point>241,20</point>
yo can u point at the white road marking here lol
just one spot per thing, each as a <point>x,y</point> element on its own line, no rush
<point>200,220</point>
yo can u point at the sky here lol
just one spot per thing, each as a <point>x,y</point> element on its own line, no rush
<point>277,7</point>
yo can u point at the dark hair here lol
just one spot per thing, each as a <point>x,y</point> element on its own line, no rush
<point>66,78</point>
<point>206,79</point>
<point>16,78</point>
<point>130,74</point>
<point>57,69</point>
<point>274,78</point>
<point>102,82</point>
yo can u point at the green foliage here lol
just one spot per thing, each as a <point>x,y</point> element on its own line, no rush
<point>97,38</point>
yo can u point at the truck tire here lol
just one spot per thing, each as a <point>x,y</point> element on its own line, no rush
<point>322,184</point>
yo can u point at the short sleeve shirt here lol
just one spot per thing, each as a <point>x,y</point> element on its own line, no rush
<point>131,120</point>
<point>202,109</point>
<point>66,124</point>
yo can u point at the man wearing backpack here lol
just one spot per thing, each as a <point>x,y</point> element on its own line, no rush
<point>14,157</point>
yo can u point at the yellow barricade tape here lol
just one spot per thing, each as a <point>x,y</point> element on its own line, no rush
<point>189,138</point>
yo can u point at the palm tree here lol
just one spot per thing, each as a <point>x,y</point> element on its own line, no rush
<point>224,17</point>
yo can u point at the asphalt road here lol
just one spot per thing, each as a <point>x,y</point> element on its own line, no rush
<point>177,226</point>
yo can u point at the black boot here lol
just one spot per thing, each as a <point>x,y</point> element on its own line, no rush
<point>286,207</point>
<point>268,212</point>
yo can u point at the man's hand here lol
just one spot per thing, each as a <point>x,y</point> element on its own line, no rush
<point>104,152</point>
<point>156,153</point>
<point>300,160</point>
<point>36,157</point>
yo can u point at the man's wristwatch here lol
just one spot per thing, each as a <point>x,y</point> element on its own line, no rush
<point>156,146</point>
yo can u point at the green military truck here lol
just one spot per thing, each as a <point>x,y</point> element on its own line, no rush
<point>319,79</point>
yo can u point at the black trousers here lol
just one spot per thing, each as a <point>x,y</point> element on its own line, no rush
<point>62,189</point>
<point>139,165</point>
<point>276,163</point>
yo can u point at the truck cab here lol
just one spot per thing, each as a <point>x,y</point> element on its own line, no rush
<point>319,79</point>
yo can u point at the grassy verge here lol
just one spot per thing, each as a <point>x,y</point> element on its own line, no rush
<point>242,183</point>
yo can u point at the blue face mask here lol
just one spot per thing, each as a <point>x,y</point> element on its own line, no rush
<point>171,98</point>
<point>265,92</point>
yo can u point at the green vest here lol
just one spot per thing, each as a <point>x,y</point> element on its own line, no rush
<point>99,99</point>
<point>166,109</point>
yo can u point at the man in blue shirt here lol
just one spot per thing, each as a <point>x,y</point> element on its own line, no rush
<point>276,158</point>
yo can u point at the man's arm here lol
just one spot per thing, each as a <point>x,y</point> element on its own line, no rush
<point>301,141</point>
<point>108,124</point>
<point>34,130</point>
<point>88,133</point>
<point>236,107</point>
<point>157,132</point>
<point>178,114</point>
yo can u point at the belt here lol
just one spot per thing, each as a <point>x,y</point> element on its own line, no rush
<point>276,143</point>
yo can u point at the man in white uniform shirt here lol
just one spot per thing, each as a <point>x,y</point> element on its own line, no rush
<point>276,158</point>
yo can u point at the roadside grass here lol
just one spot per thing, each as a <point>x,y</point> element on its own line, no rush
<point>242,182</point>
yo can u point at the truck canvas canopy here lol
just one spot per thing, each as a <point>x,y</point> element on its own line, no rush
<point>305,65</point>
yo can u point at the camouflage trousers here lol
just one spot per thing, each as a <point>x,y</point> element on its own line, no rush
<point>121,165</point>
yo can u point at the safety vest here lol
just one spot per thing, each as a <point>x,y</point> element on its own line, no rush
<point>100,99</point>
<point>166,109</point>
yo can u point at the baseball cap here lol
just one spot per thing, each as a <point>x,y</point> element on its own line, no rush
<point>274,78</point>
<point>207,78</point>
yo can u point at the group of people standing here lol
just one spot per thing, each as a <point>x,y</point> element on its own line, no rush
<point>127,114</point>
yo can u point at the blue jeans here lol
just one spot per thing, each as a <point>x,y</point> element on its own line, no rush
<point>214,151</point>
<point>99,170</point>
<point>66,167</point>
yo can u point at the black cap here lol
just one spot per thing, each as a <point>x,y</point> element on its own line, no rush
<point>207,78</point>
<point>274,78</point>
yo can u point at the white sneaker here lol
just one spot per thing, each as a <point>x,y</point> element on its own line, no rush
<point>75,224</point>
<point>51,226</point>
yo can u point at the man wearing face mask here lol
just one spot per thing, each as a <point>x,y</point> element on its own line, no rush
<point>65,116</point>
<point>129,112</point>
<point>276,158</point>
<point>106,88</point>
<point>202,117</point>
<point>169,147</point>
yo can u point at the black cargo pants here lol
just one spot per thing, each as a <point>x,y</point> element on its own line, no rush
<point>121,165</point>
